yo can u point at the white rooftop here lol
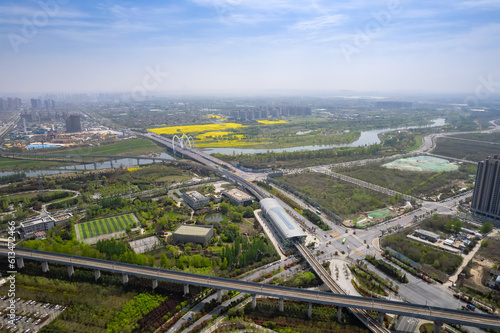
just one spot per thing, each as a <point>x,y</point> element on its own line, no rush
<point>281,219</point>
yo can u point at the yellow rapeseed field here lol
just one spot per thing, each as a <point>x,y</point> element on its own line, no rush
<point>225,144</point>
<point>195,128</point>
<point>217,134</point>
<point>270,122</point>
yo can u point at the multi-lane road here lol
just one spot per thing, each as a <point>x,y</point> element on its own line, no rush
<point>430,313</point>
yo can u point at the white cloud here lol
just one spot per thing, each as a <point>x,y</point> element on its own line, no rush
<point>319,23</point>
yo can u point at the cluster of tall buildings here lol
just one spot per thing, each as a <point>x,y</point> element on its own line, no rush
<point>10,103</point>
<point>43,115</point>
<point>38,104</point>
<point>265,112</point>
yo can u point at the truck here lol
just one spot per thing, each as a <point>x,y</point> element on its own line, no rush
<point>471,307</point>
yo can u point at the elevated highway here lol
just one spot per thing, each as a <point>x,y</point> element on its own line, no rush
<point>435,314</point>
<point>211,162</point>
<point>362,314</point>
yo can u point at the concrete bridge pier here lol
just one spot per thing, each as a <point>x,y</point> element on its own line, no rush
<point>97,274</point>
<point>282,306</point>
<point>380,317</point>
<point>71,270</point>
<point>310,311</point>
<point>254,301</point>
<point>45,266</point>
<point>155,284</point>
<point>43,157</point>
<point>138,162</point>
<point>339,314</point>
<point>125,279</point>
<point>186,289</point>
<point>219,295</point>
<point>20,262</point>
<point>111,162</point>
<point>437,327</point>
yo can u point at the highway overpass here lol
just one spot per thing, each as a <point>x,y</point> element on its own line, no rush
<point>435,314</point>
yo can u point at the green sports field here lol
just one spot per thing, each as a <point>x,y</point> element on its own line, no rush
<point>105,226</point>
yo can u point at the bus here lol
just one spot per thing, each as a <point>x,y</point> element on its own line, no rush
<point>343,241</point>
<point>318,212</point>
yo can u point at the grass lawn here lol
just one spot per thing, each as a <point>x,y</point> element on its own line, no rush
<point>124,148</point>
<point>418,143</point>
<point>416,183</point>
<point>426,328</point>
<point>155,173</point>
<point>105,226</point>
<point>342,198</point>
<point>9,164</point>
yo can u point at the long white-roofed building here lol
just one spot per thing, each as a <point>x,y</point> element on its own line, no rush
<point>282,222</point>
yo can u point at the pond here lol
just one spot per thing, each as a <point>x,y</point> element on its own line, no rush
<point>214,217</point>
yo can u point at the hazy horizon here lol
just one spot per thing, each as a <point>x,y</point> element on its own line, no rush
<point>244,47</point>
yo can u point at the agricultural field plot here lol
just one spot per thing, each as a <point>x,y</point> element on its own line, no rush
<point>469,150</point>
<point>105,226</point>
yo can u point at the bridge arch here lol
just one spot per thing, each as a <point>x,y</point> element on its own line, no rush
<point>184,141</point>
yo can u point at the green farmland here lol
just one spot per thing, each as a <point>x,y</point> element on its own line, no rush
<point>105,226</point>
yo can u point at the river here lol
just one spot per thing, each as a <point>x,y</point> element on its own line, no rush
<point>366,138</point>
<point>125,162</point>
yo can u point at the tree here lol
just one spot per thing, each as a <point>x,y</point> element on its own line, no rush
<point>236,217</point>
<point>457,226</point>
<point>224,207</point>
<point>486,228</point>
<point>248,212</point>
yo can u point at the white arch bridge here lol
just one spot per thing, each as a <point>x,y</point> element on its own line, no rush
<point>184,141</point>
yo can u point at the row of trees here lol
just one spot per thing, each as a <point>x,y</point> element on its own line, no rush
<point>245,253</point>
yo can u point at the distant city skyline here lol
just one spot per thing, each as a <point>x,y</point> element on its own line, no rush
<point>250,46</point>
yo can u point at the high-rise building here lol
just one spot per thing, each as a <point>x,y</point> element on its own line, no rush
<point>486,197</point>
<point>73,124</point>
<point>34,104</point>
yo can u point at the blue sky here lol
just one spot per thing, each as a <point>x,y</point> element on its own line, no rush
<point>248,46</point>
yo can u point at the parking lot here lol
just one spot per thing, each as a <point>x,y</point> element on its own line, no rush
<point>30,315</point>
